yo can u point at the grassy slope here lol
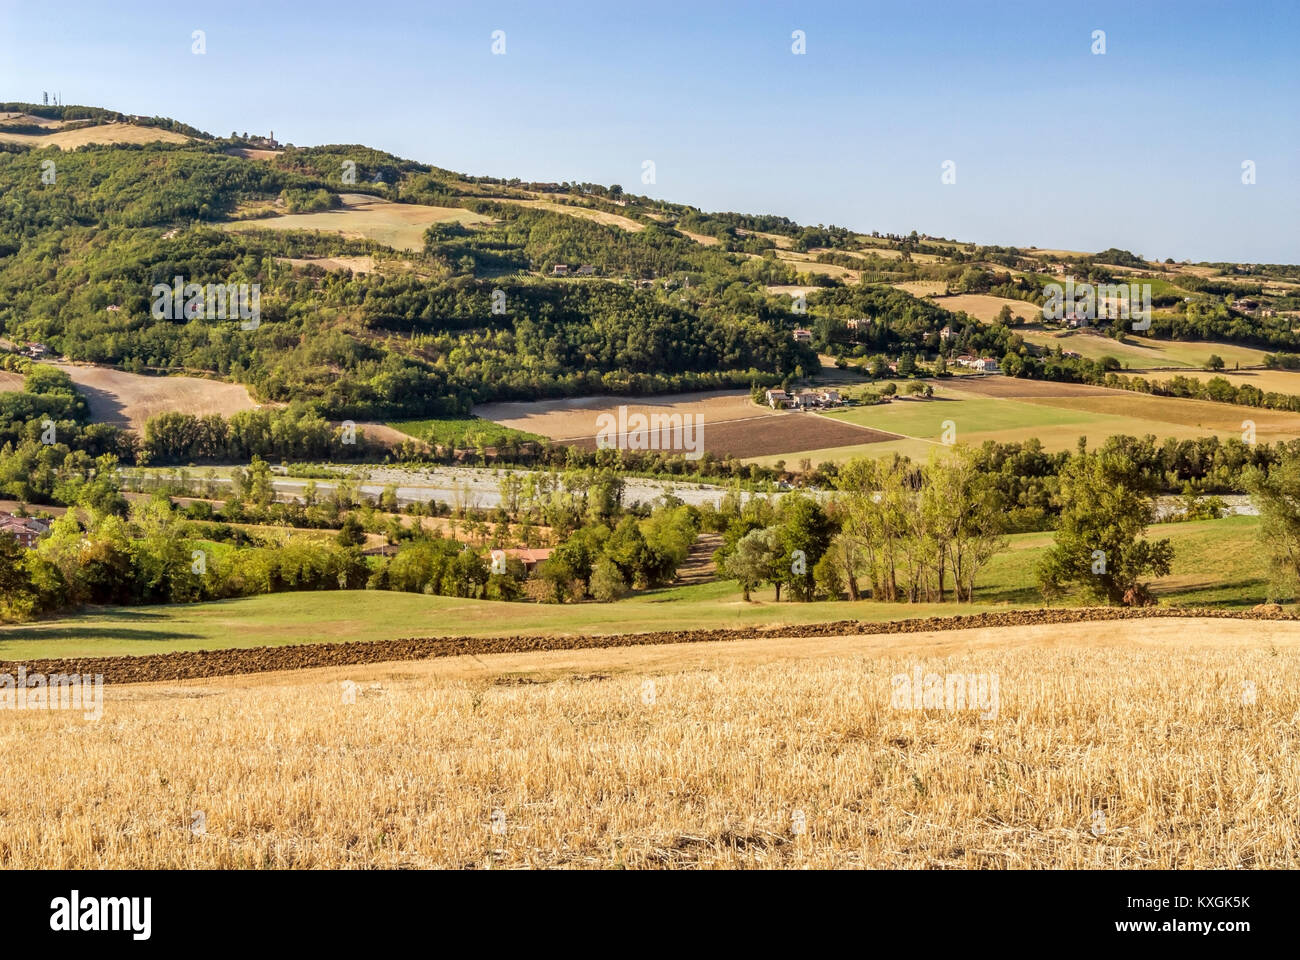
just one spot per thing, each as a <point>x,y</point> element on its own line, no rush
<point>1217,562</point>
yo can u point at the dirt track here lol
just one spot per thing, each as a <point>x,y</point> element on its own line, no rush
<point>192,665</point>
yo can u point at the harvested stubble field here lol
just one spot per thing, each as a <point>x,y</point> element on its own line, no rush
<point>1138,743</point>
<point>130,399</point>
<point>397,225</point>
<point>83,135</point>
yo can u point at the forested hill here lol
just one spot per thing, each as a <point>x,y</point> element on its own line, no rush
<point>389,287</point>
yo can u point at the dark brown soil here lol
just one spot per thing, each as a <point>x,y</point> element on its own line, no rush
<point>215,663</point>
<point>769,436</point>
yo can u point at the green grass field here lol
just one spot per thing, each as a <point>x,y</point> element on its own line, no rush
<point>1217,563</point>
<point>924,419</point>
<point>463,431</point>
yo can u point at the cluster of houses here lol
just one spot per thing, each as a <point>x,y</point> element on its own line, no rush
<point>982,364</point>
<point>562,270</point>
<point>26,530</point>
<point>35,351</point>
<point>1248,306</point>
<point>804,399</point>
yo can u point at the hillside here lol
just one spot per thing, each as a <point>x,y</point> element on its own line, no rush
<point>394,290</point>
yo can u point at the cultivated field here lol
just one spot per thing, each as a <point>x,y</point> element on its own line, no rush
<point>130,399</point>
<point>10,381</point>
<point>1008,409</point>
<point>986,308</point>
<point>1136,744</point>
<point>397,225</point>
<point>1142,353</point>
<point>586,213</point>
<point>732,423</point>
<point>333,264</point>
<point>104,133</point>
<point>1270,381</point>
<point>924,288</point>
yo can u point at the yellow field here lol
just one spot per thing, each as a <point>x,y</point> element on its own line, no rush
<point>1270,381</point>
<point>397,225</point>
<point>586,213</point>
<point>1142,353</point>
<point>1135,744</point>
<point>105,133</point>
<point>985,308</point>
<point>703,239</point>
<point>922,288</point>
<point>1202,416</point>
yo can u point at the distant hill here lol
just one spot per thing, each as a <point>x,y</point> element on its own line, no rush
<point>481,288</point>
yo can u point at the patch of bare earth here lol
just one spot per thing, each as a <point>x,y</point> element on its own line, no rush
<point>130,399</point>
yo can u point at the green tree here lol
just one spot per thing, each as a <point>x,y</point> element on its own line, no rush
<point>754,561</point>
<point>1100,543</point>
<point>351,534</point>
<point>1277,496</point>
<point>607,583</point>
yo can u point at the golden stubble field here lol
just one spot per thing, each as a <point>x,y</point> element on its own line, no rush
<point>1142,744</point>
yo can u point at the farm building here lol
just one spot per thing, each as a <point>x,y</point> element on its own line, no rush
<point>986,365</point>
<point>531,557</point>
<point>777,399</point>
<point>802,336</point>
<point>586,270</point>
<point>26,530</point>
<point>560,270</point>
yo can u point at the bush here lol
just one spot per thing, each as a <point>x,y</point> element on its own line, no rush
<point>607,584</point>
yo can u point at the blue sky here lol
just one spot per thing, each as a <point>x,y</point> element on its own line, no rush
<point>1054,146</point>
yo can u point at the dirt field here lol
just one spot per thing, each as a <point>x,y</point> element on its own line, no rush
<point>922,288</point>
<point>788,434</point>
<point>105,133</point>
<point>252,153</point>
<point>576,416</point>
<point>397,225</point>
<point>1106,745</point>
<point>129,399</point>
<point>1014,388</point>
<point>10,381</point>
<point>732,423</point>
<point>333,264</point>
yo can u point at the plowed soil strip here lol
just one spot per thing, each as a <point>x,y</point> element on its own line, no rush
<point>196,664</point>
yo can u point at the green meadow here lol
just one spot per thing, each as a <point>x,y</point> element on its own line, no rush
<point>1217,563</point>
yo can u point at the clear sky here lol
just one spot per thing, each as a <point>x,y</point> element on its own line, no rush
<point>1054,146</point>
